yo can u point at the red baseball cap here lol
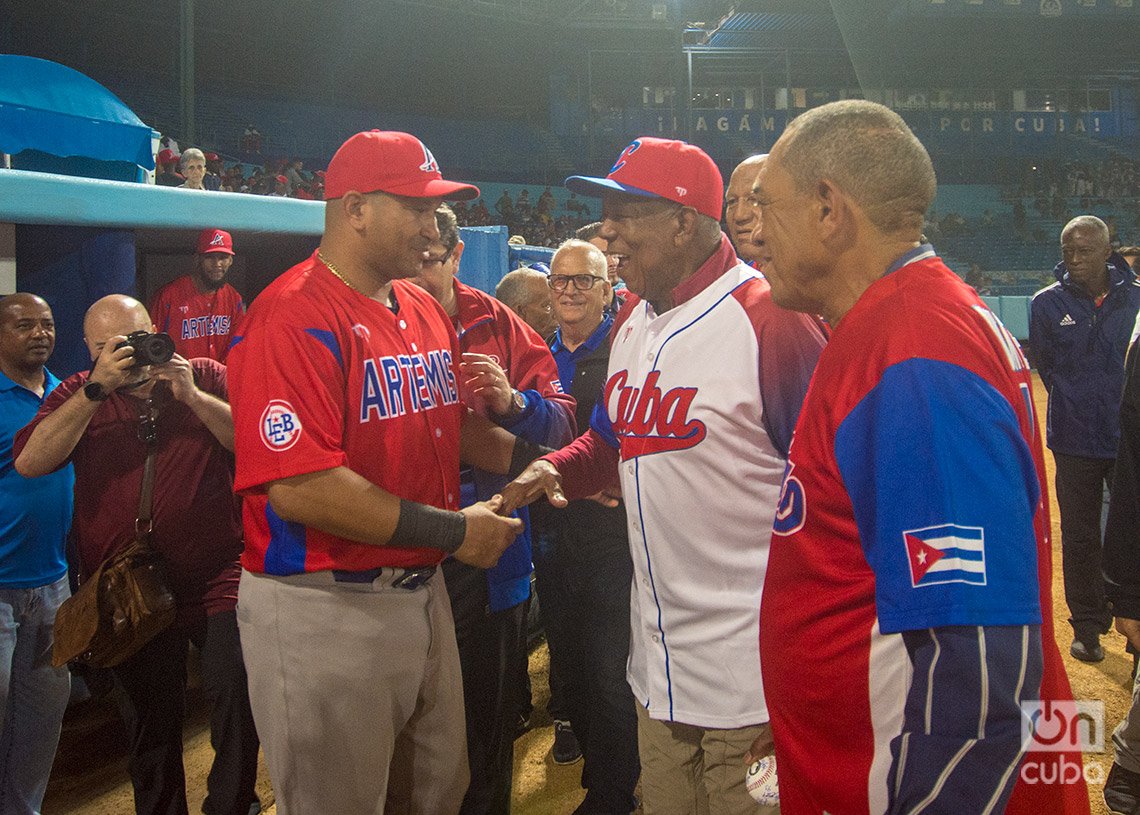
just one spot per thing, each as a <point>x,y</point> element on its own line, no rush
<point>211,156</point>
<point>282,179</point>
<point>661,168</point>
<point>215,240</point>
<point>392,162</point>
<point>167,156</point>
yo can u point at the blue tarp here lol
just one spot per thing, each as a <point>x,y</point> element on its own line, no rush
<point>49,107</point>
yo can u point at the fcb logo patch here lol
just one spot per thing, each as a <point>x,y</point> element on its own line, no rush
<point>946,554</point>
<point>280,425</point>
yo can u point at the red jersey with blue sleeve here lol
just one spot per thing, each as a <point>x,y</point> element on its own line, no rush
<point>486,326</point>
<point>324,377</point>
<point>902,622</point>
<point>201,325</point>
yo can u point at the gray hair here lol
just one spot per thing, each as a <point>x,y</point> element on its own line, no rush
<point>512,289</point>
<point>599,267</point>
<point>867,151</point>
<point>189,153</point>
<point>1089,223</point>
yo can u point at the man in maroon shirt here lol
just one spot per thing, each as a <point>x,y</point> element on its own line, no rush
<point>99,421</point>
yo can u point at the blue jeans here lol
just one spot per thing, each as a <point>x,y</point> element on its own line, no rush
<point>34,694</point>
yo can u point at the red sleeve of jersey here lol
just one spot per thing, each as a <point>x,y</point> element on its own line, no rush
<point>789,345</point>
<point>532,367</point>
<point>288,397</point>
<point>235,309</point>
<point>588,465</point>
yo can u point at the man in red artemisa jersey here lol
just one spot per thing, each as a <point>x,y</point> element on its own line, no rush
<point>200,310</point>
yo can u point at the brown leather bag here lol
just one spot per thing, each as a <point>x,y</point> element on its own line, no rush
<point>125,602</point>
<point>117,610</point>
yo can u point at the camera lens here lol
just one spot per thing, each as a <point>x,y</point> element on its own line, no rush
<point>154,349</point>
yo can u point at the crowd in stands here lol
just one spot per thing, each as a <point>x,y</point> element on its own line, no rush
<point>1057,191</point>
<point>1110,179</point>
<point>539,222</point>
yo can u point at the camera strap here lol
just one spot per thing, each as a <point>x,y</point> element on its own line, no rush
<point>148,432</point>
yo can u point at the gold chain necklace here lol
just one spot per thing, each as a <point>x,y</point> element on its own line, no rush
<point>333,269</point>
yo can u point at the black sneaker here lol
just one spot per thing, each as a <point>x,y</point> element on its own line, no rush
<point>566,749</point>
<point>1087,649</point>
<point>1122,791</point>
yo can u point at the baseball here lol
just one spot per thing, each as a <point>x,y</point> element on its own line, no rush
<point>762,783</point>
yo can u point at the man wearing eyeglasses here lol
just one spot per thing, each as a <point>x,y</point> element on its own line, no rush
<point>508,376</point>
<point>101,422</point>
<point>706,379</point>
<point>582,559</point>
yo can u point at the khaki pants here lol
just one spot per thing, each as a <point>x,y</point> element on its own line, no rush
<point>687,769</point>
<point>356,693</point>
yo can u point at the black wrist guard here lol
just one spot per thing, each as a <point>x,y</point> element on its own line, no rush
<point>524,453</point>
<point>423,526</point>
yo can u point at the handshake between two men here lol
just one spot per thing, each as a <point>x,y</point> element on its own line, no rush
<point>490,529</point>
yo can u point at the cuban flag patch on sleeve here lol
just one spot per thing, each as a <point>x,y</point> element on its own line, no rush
<point>947,553</point>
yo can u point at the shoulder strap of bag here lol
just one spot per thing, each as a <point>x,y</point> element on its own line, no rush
<point>148,430</point>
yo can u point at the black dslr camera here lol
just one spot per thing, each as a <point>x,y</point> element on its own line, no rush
<point>148,349</point>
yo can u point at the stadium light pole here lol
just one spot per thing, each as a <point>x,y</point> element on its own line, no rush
<point>186,69</point>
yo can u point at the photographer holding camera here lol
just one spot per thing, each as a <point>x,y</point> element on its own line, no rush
<point>103,421</point>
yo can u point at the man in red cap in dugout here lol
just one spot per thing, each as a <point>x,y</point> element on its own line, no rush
<point>200,310</point>
<point>349,426</point>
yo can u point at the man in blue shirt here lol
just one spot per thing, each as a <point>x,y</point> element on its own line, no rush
<point>582,558</point>
<point>35,516</point>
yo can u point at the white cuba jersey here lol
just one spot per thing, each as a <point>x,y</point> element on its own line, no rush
<point>701,402</point>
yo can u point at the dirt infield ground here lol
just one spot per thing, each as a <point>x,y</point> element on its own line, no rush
<point>89,777</point>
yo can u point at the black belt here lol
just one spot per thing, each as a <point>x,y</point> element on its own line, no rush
<point>409,579</point>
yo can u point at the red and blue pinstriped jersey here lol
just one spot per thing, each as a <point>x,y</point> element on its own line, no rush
<point>914,501</point>
<point>323,377</point>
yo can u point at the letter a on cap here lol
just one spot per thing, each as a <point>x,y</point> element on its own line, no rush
<point>429,165</point>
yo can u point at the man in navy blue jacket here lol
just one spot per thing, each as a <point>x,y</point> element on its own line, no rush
<point>1078,334</point>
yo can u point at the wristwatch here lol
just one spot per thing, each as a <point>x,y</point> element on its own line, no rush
<point>96,392</point>
<point>518,403</point>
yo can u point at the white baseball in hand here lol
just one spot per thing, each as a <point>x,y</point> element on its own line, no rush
<point>761,782</point>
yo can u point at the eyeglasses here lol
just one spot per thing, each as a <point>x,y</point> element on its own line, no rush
<point>446,257</point>
<point>582,282</point>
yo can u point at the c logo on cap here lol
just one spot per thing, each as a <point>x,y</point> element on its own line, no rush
<point>280,425</point>
<point>626,153</point>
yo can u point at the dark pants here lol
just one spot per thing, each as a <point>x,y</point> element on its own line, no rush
<point>584,592</point>
<point>1080,495</point>
<point>489,647</point>
<point>556,705</point>
<point>153,704</point>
